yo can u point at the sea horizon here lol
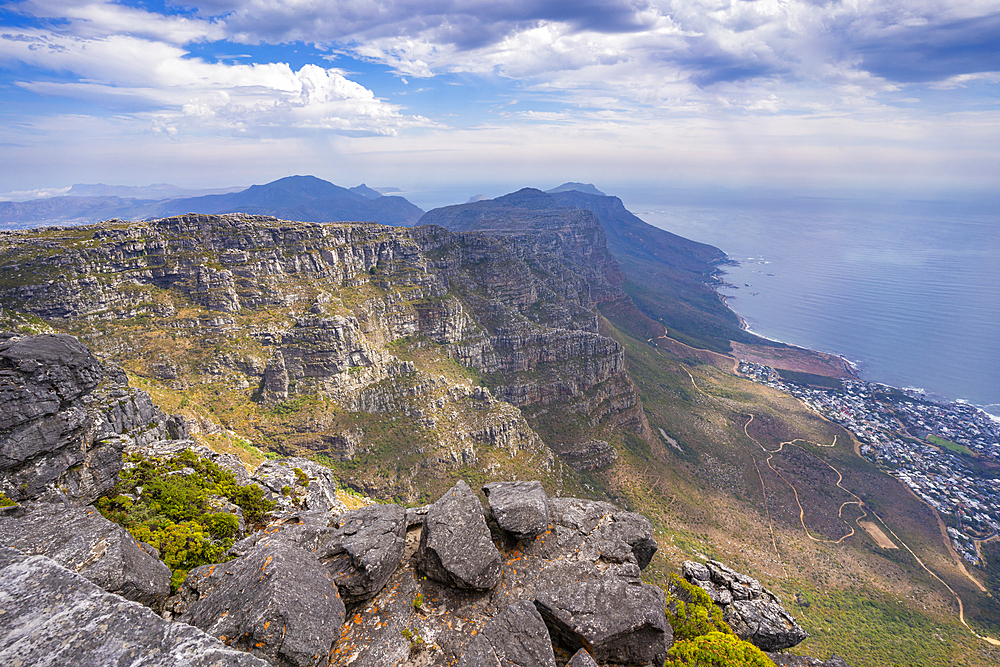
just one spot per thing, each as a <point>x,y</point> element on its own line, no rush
<point>899,289</point>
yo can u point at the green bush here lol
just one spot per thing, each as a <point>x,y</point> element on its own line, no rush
<point>165,502</point>
<point>716,649</point>
<point>691,611</point>
<point>5,501</point>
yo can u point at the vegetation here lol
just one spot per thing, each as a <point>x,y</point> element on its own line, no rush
<point>716,649</point>
<point>167,502</point>
<point>5,501</point>
<point>691,611</point>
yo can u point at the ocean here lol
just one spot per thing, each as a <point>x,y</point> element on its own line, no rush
<point>908,291</point>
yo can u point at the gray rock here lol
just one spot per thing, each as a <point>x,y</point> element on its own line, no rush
<point>53,616</point>
<point>315,490</point>
<point>581,659</point>
<point>168,448</point>
<point>363,548</point>
<point>276,602</point>
<point>519,508</point>
<point>754,613</point>
<point>615,620</point>
<point>628,536</point>
<point>80,539</point>
<point>455,545</point>
<point>517,637</point>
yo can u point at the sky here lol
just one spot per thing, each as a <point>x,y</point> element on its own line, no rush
<point>466,96</point>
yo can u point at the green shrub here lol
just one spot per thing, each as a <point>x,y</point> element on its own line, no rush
<point>716,649</point>
<point>165,502</point>
<point>221,524</point>
<point>5,501</point>
<point>691,611</point>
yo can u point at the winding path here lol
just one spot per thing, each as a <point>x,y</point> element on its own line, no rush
<point>857,501</point>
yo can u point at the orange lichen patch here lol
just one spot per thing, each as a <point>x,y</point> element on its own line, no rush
<point>357,619</point>
<point>267,561</point>
<point>266,623</point>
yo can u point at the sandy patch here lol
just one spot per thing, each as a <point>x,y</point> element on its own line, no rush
<point>878,535</point>
<point>794,359</point>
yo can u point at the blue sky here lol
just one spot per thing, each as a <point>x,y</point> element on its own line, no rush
<point>474,94</point>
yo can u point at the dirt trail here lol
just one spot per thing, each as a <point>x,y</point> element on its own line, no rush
<point>858,501</point>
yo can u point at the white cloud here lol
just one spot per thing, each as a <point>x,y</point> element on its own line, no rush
<point>185,93</point>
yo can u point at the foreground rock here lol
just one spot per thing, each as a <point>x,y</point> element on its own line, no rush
<point>455,545</point>
<point>360,549</point>
<point>82,540</point>
<point>519,508</point>
<point>614,620</point>
<point>363,549</point>
<point>276,602</point>
<point>581,659</point>
<point>581,545</point>
<point>298,484</point>
<point>56,617</point>
<point>65,420</point>
<point>516,638</point>
<point>754,613</point>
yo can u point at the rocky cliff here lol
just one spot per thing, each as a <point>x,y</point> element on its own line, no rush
<point>342,330</point>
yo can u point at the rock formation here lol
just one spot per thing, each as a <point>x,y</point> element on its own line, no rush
<point>754,613</point>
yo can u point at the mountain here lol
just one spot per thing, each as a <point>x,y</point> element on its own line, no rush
<point>365,191</point>
<point>399,360</point>
<point>587,188</point>
<point>669,278</point>
<point>156,191</point>
<point>302,198</point>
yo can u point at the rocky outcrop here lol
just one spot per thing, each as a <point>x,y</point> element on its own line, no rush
<point>517,308</point>
<point>48,609</point>
<point>455,545</point>
<point>299,484</point>
<point>754,613</point>
<point>80,539</point>
<point>65,419</point>
<point>517,637</point>
<point>616,621</point>
<point>519,508</point>
<point>276,602</point>
<point>577,548</point>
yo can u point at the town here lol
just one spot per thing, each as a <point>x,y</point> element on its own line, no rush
<point>947,454</point>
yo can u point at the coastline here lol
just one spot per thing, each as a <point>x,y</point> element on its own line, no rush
<point>800,360</point>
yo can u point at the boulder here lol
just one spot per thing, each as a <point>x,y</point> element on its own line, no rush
<point>53,616</point>
<point>581,659</point>
<point>80,539</point>
<point>616,621</point>
<point>363,548</point>
<point>276,602</point>
<point>519,508</point>
<point>754,613</point>
<point>517,637</point>
<point>455,545</point>
<point>627,537</point>
<point>313,488</point>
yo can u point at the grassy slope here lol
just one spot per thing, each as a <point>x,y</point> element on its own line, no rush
<point>873,605</point>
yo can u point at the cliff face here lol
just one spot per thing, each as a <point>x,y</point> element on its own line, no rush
<point>65,419</point>
<point>329,326</point>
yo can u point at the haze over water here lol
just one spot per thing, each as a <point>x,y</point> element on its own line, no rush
<point>908,291</point>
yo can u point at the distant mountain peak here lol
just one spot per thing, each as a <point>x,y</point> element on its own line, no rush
<point>586,188</point>
<point>366,191</point>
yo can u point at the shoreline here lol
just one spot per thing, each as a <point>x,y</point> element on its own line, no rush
<point>851,368</point>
